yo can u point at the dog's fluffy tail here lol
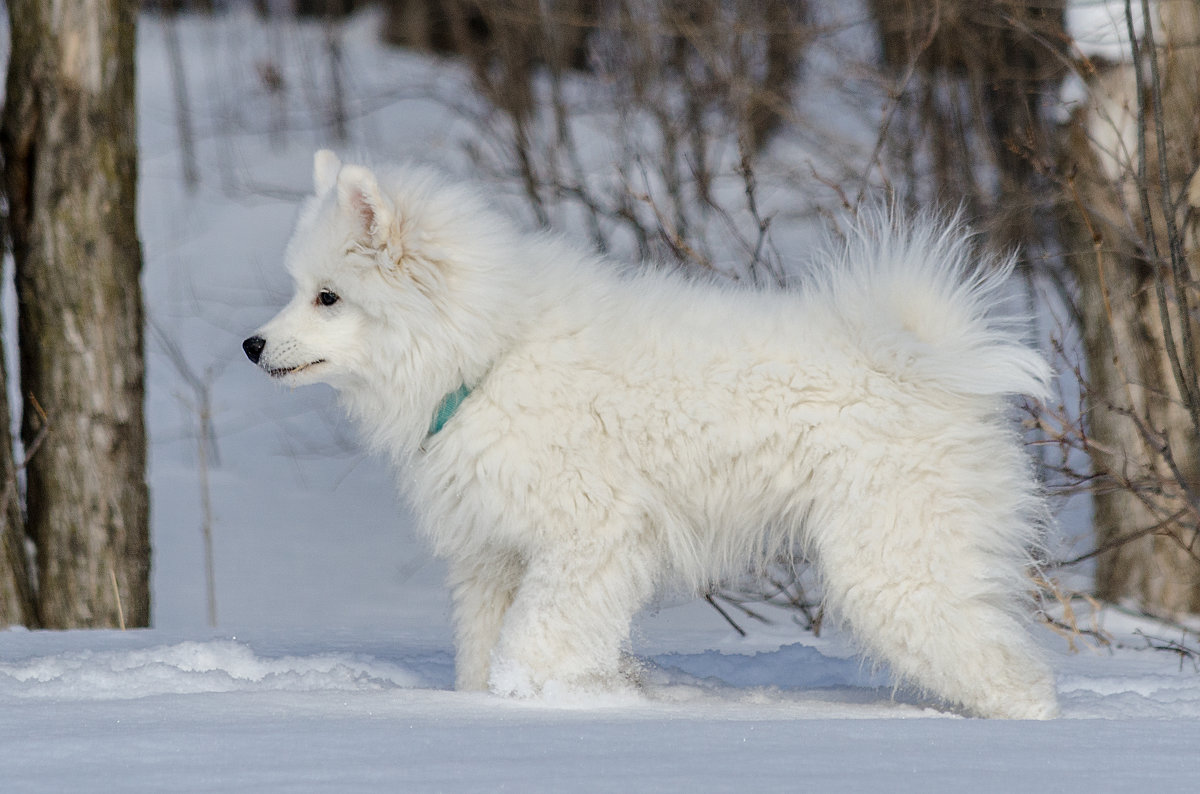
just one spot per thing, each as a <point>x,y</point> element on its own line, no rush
<point>929,306</point>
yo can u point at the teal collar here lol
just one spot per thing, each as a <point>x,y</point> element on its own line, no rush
<point>447,408</point>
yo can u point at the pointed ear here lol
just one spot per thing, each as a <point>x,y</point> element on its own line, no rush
<point>358,193</point>
<point>325,170</point>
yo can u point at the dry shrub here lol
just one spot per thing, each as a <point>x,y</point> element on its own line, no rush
<point>639,119</point>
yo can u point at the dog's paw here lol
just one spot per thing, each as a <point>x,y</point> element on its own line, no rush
<point>511,679</point>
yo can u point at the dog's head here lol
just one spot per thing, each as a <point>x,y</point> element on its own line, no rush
<point>406,288</point>
<point>336,256</point>
<point>376,262</point>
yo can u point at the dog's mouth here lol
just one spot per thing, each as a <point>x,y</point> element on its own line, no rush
<point>283,372</point>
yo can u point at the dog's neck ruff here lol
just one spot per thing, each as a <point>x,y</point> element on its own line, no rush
<point>447,408</point>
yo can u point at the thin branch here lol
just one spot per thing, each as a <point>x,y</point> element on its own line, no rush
<point>712,602</point>
<point>899,92</point>
<point>1143,194</point>
<point>1120,541</point>
<point>1174,238</point>
<point>1172,646</point>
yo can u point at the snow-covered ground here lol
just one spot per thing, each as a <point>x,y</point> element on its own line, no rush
<point>330,668</point>
<point>330,709</point>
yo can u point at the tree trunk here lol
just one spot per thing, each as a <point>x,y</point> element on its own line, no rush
<point>1137,310</point>
<point>17,603</point>
<point>69,142</point>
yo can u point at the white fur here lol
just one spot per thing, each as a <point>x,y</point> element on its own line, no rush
<point>631,428</point>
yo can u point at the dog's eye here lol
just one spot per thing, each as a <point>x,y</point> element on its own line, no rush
<point>327,297</point>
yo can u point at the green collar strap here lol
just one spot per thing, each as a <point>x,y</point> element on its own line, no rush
<point>447,408</point>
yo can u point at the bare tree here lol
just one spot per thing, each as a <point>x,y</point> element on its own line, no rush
<point>69,145</point>
<point>1131,217</point>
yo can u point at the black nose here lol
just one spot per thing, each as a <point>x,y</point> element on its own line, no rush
<point>254,347</point>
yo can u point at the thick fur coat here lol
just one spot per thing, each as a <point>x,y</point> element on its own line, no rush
<point>629,428</point>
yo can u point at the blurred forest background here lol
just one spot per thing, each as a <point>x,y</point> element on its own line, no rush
<point>716,135</point>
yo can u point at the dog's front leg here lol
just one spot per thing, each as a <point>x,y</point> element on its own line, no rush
<point>482,589</point>
<point>569,621</point>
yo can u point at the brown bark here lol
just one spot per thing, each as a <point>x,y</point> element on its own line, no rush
<point>1137,309</point>
<point>69,142</point>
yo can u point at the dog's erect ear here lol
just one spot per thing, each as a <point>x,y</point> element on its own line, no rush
<point>359,195</point>
<point>325,171</point>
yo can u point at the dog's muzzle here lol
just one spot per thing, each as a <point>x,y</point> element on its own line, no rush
<point>254,347</point>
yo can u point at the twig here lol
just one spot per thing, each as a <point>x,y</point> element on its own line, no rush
<point>112,572</point>
<point>884,126</point>
<point>1068,627</point>
<point>206,452</point>
<point>1172,646</point>
<point>183,110</point>
<point>712,602</point>
<point>1121,540</point>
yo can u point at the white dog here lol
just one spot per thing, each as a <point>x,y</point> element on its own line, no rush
<point>573,434</point>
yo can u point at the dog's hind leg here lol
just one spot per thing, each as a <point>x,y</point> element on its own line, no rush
<point>921,592</point>
<point>956,646</point>
<point>570,620</point>
<point>482,590</point>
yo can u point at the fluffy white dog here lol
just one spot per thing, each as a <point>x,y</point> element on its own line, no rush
<point>573,434</point>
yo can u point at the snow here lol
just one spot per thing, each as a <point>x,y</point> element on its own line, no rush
<point>331,665</point>
<point>145,711</point>
<point>1100,29</point>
